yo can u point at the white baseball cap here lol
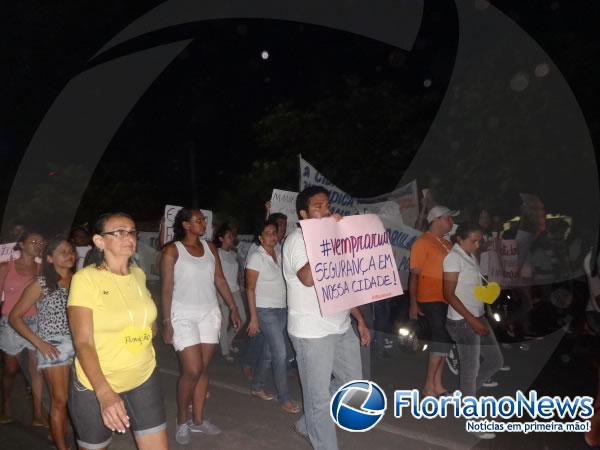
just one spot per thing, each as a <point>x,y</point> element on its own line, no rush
<point>439,211</point>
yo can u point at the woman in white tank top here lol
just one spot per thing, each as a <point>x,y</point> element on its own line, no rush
<point>191,275</point>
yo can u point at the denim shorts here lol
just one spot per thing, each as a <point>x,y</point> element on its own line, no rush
<point>144,405</point>
<point>64,344</point>
<point>12,342</point>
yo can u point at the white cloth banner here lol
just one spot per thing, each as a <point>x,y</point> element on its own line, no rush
<point>340,202</point>
<point>285,202</point>
<point>171,212</point>
<point>402,203</point>
<point>147,254</point>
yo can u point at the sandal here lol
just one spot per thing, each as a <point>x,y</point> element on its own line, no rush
<point>40,422</point>
<point>6,419</point>
<point>291,407</point>
<point>263,395</point>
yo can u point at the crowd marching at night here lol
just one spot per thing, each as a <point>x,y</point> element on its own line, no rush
<point>81,326</point>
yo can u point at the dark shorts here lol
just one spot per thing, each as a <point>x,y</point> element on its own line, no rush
<point>435,313</point>
<point>144,406</point>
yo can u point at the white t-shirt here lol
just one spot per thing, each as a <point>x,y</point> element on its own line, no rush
<point>270,287</point>
<point>230,266</point>
<point>304,315</point>
<point>467,267</point>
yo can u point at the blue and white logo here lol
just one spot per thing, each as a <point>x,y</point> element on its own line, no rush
<point>358,405</point>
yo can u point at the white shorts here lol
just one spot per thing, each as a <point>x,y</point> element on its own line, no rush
<point>193,328</point>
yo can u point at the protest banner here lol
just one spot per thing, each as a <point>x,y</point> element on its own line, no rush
<point>351,261</point>
<point>400,204</point>
<point>501,263</point>
<point>402,238</point>
<point>285,202</point>
<point>339,201</point>
<point>171,212</point>
<point>8,252</point>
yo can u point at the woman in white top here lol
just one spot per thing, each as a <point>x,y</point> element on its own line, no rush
<point>191,274</point>
<point>266,292</point>
<point>466,322</point>
<point>224,240</point>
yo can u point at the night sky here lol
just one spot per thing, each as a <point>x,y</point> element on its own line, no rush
<point>209,100</point>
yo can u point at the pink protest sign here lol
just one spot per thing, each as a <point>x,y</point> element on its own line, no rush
<point>352,262</point>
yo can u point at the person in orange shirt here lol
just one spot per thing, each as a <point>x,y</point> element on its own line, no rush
<point>425,289</point>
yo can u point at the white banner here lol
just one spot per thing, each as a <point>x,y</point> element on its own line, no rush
<point>285,202</point>
<point>340,202</point>
<point>147,254</point>
<point>402,238</point>
<point>171,212</point>
<point>402,203</point>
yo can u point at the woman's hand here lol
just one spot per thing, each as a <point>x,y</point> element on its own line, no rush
<point>235,319</point>
<point>479,327</point>
<point>48,350</point>
<point>253,328</point>
<point>112,408</point>
<point>167,332</point>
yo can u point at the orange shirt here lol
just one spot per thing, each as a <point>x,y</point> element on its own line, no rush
<point>427,257</point>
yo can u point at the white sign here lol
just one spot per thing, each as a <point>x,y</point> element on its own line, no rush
<point>170,213</point>
<point>285,202</point>
<point>8,252</point>
<point>402,203</point>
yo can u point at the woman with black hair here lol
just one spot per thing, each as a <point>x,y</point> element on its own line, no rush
<point>266,291</point>
<point>224,240</point>
<point>14,278</point>
<point>191,275</point>
<point>115,384</point>
<point>52,339</point>
<point>466,322</point>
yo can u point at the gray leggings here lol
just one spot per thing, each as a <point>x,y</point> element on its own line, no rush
<point>480,357</point>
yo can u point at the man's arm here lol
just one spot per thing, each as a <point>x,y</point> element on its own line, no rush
<point>363,330</point>
<point>305,275</point>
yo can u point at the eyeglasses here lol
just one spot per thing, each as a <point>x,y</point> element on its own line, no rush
<point>121,234</point>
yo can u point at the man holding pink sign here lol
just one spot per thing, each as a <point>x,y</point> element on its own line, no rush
<point>319,327</point>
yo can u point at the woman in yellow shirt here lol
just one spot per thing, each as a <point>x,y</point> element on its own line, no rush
<point>115,385</point>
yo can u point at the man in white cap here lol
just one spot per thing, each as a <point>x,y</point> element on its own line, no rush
<point>425,289</point>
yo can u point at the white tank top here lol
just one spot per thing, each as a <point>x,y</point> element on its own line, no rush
<point>194,289</point>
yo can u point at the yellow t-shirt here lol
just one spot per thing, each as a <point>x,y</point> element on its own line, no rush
<point>123,311</point>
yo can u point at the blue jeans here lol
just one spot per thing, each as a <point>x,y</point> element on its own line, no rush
<point>318,359</point>
<point>479,356</point>
<point>272,323</point>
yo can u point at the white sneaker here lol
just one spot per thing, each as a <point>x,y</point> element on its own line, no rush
<point>504,368</point>
<point>183,435</point>
<point>205,427</point>
<point>484,435</point>
<point>490,383</point>
<point>452,360</point>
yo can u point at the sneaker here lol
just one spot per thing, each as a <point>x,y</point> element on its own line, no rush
<point>452,360</point>
<point>228,358</point>
<point>504,368</point>
<point>205,427</point>
<point>490,384</point>
<point>183,435</point>
<point>484,435</point>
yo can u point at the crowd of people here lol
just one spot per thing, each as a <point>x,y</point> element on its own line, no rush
<point>84,321</point>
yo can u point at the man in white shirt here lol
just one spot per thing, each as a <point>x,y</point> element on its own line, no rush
<point>325,346</point>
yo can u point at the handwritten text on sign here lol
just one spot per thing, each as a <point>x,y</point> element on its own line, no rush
<point>351,261</point>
